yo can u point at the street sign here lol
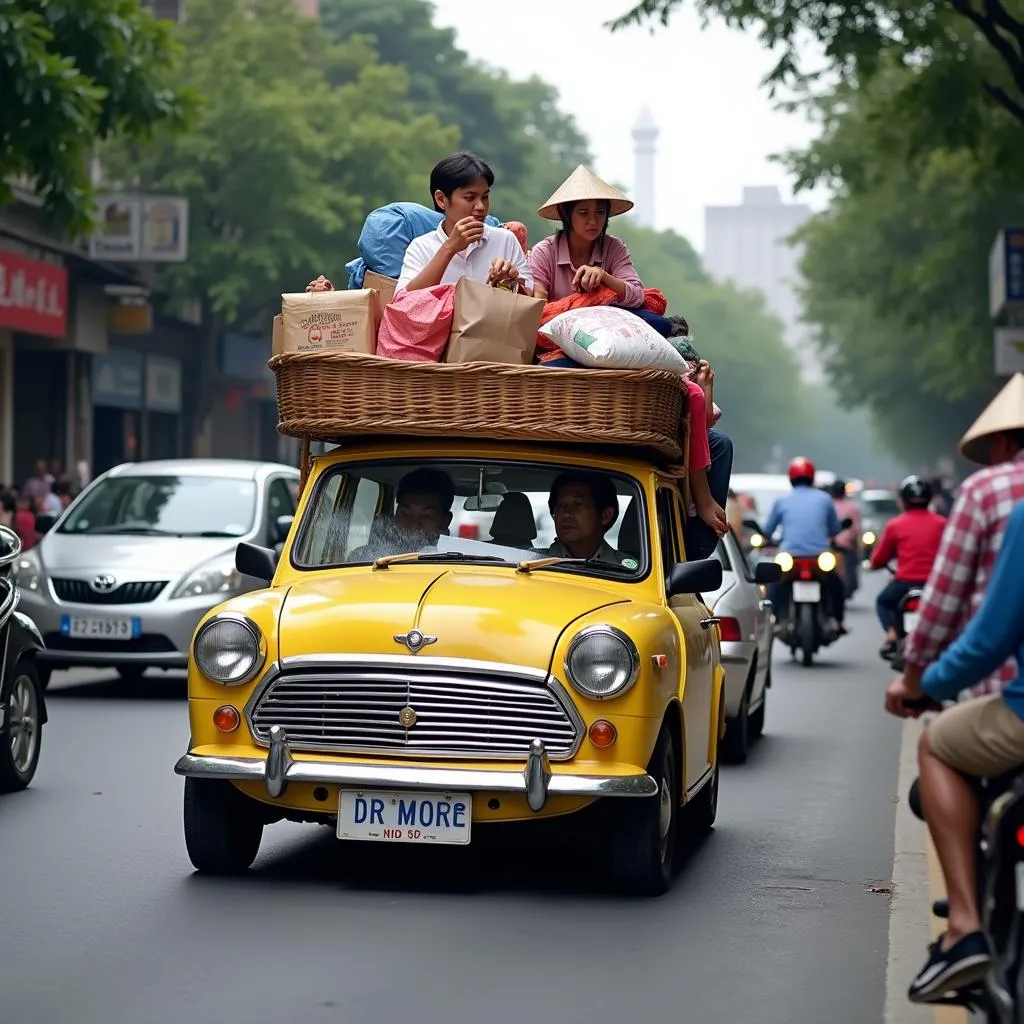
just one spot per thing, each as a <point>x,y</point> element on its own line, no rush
<point>1009,351</point>
<point>141,229</point>
<point>1006,271</point>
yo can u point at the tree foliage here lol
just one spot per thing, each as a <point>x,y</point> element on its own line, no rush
<point>73,72</point>
<point>859,38</point>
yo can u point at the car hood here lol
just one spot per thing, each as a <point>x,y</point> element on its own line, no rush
<point>139,556</point>
<point>476,614</point>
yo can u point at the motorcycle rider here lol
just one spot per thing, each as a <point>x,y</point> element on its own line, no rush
<point>913,539</point>
<point>977,739</point>
<point>848,541</point>
<point>809,525</point>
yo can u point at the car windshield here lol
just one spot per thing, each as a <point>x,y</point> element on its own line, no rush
<point>178,506</point>
<point>880,506</point>
<point>475,510</point>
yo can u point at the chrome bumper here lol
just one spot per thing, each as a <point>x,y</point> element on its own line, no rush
<point>536,780</point>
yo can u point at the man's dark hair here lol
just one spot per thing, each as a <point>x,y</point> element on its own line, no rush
<point>457,171</point>
<point>838,489</point>
<point>680,328</point>
<point>428,481</point>
<point>601,487</point>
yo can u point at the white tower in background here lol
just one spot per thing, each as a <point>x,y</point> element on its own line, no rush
<point>645,134</point>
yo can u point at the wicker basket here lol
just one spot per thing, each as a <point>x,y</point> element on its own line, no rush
<point>333,395</point>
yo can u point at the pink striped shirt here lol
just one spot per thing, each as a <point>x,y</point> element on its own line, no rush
<point>553,271</point>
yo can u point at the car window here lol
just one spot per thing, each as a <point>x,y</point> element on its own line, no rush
<point>667,527</point>
<point>495,510</point>
<point>279,499</point>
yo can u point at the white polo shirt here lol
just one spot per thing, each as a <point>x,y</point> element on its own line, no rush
<point>474,262</point>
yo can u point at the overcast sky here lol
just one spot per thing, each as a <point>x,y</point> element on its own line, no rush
<point>718,127</point>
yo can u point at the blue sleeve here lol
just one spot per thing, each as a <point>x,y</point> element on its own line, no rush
<point>995,633</point>
<point>774,519</point>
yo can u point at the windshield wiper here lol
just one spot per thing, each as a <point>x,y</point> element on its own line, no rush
<point>435,556</point>
<point>547,563</point>
<point>213,533</point>
<point>142,531</point>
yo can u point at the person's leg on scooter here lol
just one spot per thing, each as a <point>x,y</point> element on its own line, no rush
<point>886,606</point>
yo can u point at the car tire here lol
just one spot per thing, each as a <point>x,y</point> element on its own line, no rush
<point>756,728</point>
<point>21,735</point>
<point>643,847</point>
<point>223,828</point>
<point>702,811</point>
<point>736,744</point>
<point>44,675</point>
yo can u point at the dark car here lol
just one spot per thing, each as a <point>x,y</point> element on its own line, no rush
<point>22,706</point>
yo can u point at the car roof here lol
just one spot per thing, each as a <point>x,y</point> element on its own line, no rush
<point>238,469</point>
<point>878,492</point>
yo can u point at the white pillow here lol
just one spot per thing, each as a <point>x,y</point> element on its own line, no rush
<point>610,338</point>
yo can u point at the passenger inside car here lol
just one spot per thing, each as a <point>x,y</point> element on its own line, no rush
<point>584,507</point>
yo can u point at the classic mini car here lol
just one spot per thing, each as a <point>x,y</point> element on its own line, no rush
<point>418,668</point>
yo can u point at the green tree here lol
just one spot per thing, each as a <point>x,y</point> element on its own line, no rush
<point>296,139</point>
<point>516,126</point>
<point>858,39</point>
<point>73,72</point>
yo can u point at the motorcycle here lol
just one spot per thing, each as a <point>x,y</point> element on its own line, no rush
<point>999,998</point>
<point>805,628</point>
<point>22,707</point>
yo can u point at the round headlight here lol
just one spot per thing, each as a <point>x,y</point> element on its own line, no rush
<point>230,649</point>
<point>784,560</point>
<point>827,561</point>
<point>756,541</point>
<point>869,537</point>
<point>602,662</point>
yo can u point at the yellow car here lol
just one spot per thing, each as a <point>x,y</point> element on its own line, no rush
<point>456,635</point>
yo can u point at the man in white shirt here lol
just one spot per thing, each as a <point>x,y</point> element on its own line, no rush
<point>463,245</point>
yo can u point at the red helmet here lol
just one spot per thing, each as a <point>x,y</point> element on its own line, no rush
<point>801,469</point>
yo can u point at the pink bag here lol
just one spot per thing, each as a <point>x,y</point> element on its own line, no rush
<point>416,325</point>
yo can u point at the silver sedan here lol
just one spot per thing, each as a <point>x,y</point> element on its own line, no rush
<point>123,576</point>
<point>747,622</point>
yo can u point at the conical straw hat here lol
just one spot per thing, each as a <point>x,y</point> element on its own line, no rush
<point>583,183</point>
<point>1004,412</point>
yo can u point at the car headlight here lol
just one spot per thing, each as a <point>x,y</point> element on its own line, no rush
<point>28,572</point>
<point>217,577</point>
<point>602,662</point>
<point>230,649</point>
<point>784,560</point>
<point>827,561</point>
<point>869,537</point>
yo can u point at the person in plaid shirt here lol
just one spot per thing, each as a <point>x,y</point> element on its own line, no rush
<point>983,736</point>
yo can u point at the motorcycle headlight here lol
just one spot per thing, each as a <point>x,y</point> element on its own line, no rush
<point>869,537</point>
<point>602,662</point>
<point>827,561</point>
<point>28,572</point>
<point>784,560</point>
<point>756,540</point>
<point>217,577</point>
<point>230,649</point>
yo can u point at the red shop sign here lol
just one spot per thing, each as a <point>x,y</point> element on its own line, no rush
<point>33,296</point>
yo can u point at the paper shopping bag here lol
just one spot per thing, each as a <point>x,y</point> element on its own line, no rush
<point>493,325</point>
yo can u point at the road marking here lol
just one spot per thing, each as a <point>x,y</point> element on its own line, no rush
<point>917,883</point>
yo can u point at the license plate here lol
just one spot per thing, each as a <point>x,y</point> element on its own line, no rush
<point>88,628</point>
<point>910,621</point>
<point>1020,886</point>
<point>806,593</point>
<point>394,817</point>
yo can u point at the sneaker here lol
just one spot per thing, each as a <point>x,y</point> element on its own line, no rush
<point>948,970</point>
<point>888,649</point>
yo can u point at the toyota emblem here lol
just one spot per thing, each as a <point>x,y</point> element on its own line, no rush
<point>103,584</point>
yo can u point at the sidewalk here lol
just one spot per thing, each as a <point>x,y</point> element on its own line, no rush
<point>917,883</point>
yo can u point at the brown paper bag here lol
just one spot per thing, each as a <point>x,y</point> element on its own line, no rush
<point>277,337</point>
<point>384,286</point>
<point>493,325</point>
<point>333,321</point>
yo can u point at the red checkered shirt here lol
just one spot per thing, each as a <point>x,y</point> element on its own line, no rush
<point>964,563</point>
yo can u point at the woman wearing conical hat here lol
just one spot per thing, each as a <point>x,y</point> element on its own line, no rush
<point>582,256</point>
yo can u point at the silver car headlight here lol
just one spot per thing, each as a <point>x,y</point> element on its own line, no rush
<point>217,577</point>
<point>602,662</point>
<point>230,649</point>
<point>28,572</point>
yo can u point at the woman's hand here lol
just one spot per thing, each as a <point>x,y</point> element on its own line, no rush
<point>503,270</point>
<point>588,279</point>
<point>320,284</point>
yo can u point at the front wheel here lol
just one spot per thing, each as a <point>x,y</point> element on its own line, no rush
<point>21,731</point>
<point>805,633</point>
<point>223,828</point>
<point>644,841</point>
<point>736,744</point>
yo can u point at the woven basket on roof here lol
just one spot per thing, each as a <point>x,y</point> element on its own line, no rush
<point>327,396</point>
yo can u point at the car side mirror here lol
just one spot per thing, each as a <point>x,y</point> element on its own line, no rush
<point>767,572</point>
<point>694,577</point>
<point>282,527</point>
<point>846,523</point>
<point>46,521</point>
<point>252,560</point>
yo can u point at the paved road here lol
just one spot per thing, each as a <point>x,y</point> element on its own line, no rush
<point>770,922</point>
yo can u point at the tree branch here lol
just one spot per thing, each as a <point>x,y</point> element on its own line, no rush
<point>987,25</point>
<point>1005,100</point>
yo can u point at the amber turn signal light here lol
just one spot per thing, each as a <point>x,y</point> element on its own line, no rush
<point>602,734</point>
<point>226,718</point>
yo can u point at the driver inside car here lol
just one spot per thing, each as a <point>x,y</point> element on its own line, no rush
<point>423,513</point>
<point>584,507</point>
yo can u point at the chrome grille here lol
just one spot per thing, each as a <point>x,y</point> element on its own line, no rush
<point>459,713</point>
<point>79,592</point>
